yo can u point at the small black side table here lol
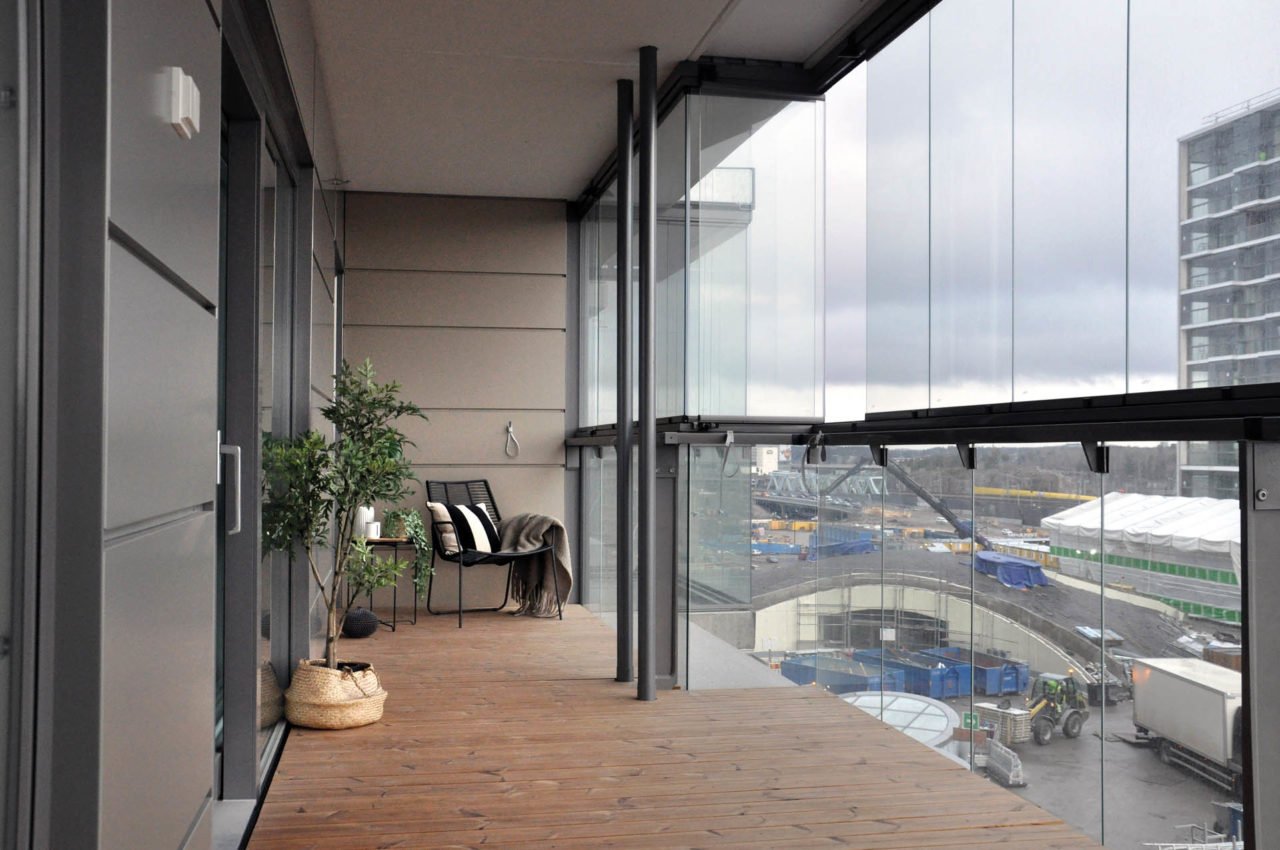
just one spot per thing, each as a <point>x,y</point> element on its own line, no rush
<point>395,544</point>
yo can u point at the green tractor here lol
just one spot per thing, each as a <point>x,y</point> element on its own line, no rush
<point>1055,699</point>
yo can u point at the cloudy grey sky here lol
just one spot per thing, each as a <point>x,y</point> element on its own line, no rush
<point>1011,206</point>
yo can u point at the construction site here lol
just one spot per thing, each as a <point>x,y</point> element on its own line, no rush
<point>977,624</point>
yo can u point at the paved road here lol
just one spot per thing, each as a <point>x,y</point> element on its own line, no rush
<point>1146,632</point>
<point>1144,799</point>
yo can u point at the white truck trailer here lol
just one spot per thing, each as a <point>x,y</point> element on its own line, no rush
<point>1192,713</point>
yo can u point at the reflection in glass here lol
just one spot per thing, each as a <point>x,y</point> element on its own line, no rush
<point>606,398</point>
<point>589,308</point>
<point>270,696</point>
<point>670,263</point>
<point>12,307</point>
<point>600,493</point>
<point>755,251</point>
<point>719,487</point>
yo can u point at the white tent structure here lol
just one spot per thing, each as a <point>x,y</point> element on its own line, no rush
<point>1190,531</point>
<point>1183,550</point>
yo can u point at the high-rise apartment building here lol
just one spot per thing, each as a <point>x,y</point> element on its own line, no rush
<point>1230,269</point>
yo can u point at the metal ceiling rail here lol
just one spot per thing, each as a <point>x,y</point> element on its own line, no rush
<point>1230,413</point>
<point>747,77</point>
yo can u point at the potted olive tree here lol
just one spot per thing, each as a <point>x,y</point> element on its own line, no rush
<point>312,490</point>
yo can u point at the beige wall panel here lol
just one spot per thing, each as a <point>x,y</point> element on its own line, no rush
<point>451,299</point>
<point>455,234</point>
<point>322,234</point>
<point>324,145</point>
<point>516,489</point>
<point>323,334</point>
<point>445,367</point>
<point>480,437</point>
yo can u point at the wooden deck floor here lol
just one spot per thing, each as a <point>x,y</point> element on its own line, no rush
<point>511,733</point>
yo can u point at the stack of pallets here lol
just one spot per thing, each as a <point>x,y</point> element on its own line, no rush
<point>1011,725</point>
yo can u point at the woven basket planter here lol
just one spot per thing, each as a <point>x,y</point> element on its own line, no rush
<point>320,698</point>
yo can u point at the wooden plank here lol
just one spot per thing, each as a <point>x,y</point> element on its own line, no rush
<point>510,732</point>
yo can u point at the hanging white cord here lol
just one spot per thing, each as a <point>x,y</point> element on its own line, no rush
<point>512,447</point>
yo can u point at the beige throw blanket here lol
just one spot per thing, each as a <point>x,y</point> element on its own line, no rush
<point>532,584</point>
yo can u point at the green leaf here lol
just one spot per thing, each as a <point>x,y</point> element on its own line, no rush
<point>312,486</point>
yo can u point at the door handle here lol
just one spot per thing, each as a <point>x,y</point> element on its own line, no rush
<point>234,451</point>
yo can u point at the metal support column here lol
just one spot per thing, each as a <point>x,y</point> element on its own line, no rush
<point>1260,599</point>
<point>626,435</point>
<point>648,442</point>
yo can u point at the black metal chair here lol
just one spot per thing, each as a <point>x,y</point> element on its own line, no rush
<point>474,493</point>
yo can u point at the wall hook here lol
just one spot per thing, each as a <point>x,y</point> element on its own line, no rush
<point>512,447</point>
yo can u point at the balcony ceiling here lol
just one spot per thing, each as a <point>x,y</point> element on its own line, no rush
<point>512,98</point>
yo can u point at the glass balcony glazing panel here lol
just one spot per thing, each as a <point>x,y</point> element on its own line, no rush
<point>1037,608</point>
<point>845,290</point>
<point>1178,559</point>
<point>1065,160</point>
<point>671,252</point>
<point>606,397</point>
<point>589,307</point>
<point>12,307</point>
<point>927,616</point>
<point>1186,130</point>
<point>719,501</point>
<point>898,224</point>
<point>755,261</point>
<point>971,203</point>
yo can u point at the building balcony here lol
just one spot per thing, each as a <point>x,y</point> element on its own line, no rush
<point>512,732</point>
<point>1231,313</point>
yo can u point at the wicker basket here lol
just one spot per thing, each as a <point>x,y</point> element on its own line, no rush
<point>321,698</point>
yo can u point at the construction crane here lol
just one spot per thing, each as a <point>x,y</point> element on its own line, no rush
<point>963,529</point>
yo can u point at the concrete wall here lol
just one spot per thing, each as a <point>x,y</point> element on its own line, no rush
<point>793,625</point>
<point>463,301</point>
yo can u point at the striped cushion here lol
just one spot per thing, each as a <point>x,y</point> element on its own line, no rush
<point>470,528</point>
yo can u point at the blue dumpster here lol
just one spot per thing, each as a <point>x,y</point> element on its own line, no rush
<point>922,674</point>
<point>992,675</point>
<point>840,675</point>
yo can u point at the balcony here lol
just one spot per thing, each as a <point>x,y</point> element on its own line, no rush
<point>511,732</point>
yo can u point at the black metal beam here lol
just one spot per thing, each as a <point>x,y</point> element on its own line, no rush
<point>882,26</point>
<point>1227,413</point>
<point>747,77</point>
<point>710,75</point>
<point>250,34</point>
<point>646,538</point>
<point>626,433</point>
